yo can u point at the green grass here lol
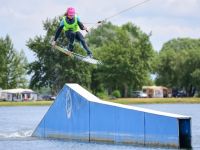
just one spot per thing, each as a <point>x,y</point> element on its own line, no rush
<point>155,100</point>
<point>29,103</point>
<point>119,100</point>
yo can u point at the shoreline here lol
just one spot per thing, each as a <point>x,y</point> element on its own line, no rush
<point>26,103</point>
<point>126,101</point>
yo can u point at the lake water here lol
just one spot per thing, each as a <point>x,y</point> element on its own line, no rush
<point>18,123</point>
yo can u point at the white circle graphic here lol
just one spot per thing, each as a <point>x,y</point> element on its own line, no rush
<point>68,104</point>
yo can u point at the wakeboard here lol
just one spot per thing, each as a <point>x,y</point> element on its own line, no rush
<point>77,56</point>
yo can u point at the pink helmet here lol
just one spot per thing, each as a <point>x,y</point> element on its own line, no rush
<point>70,11</point>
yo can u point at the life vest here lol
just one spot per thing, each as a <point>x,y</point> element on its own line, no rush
<point>74,26</point>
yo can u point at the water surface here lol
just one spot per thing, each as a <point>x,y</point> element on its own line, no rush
<point>18,123</point>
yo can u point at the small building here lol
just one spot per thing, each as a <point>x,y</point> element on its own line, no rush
<point>157,91</point>
<point>18,95</point>
<point>0,93</point>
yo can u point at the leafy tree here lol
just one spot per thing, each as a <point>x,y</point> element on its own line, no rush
<point>52,68</point>
<point>179,63</point>
<point>126,53</point>
<point>102,34</point>
<point>13,65</point>
<point>126,57</point>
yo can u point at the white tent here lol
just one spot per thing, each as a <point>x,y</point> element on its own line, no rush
<point>18,95</point>
<point>157,91</point>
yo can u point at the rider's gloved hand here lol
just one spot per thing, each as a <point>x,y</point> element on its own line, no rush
<point>53,43</point>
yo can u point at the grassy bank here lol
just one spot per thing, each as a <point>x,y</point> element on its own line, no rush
<point>119,100</point>
<point>31,103</point>
<point>155,100</point>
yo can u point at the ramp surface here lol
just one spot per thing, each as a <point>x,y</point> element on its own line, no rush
<point>77,114</point>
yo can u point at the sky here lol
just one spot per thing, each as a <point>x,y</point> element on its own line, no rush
<point>166,19</point>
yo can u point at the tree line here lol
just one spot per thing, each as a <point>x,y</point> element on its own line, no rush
<point>13,65</point>
<point>128,60</point>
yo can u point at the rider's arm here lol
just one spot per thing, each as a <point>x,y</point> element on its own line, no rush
<point>80,24</point>
<point>59,29</point>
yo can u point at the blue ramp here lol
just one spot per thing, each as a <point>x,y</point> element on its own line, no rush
<point>76,114</point>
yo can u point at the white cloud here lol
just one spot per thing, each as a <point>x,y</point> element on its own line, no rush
<point>166,19</point>
<point>161,34</point>
<point>184,6</point>
<point>164,29</point>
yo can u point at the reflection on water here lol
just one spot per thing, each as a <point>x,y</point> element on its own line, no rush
<point>18,123</point>
<point>192,110</point>
<point>16,134</point>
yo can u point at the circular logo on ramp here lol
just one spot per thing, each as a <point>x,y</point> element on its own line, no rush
<point>68,104</point>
